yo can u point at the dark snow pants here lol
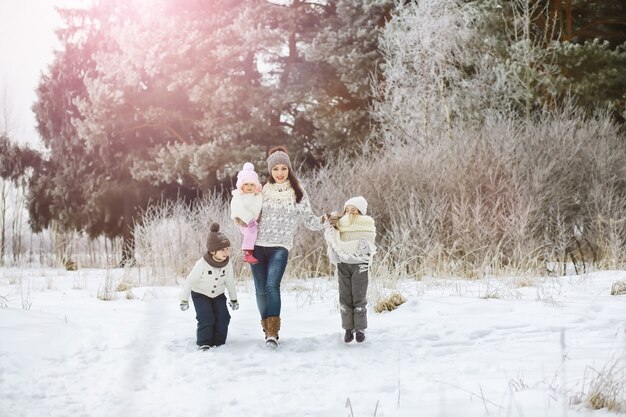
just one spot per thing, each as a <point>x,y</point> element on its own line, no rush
<point>213,319</point>
<point>353,279</point>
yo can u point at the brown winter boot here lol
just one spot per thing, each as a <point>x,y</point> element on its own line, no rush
<point>273,326</point>
<point>264,325</point>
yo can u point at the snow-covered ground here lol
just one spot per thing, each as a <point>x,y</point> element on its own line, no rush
<point>455,348</point>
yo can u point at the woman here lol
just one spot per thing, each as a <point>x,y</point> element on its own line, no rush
<point>284,203</point>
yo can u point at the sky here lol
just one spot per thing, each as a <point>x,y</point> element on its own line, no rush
<point>27,42</point>
<point>514,347</point>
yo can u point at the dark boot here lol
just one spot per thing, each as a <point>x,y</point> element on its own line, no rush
<point>360,336</point>
<point>349,336</point>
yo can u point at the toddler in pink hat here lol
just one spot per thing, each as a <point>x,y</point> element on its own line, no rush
<point>246,205</point>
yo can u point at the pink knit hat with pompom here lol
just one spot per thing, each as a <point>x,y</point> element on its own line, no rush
<point>248,176</point>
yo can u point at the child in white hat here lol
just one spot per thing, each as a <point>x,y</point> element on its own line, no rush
<point>246,205</point>
<point>350,238</point>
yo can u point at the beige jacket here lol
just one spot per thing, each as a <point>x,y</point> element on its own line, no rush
<point>351,243</point>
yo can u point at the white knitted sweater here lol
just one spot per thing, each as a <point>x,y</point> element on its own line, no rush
<point>280,216</point>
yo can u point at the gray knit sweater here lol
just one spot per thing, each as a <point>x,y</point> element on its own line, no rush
<point>280,216</point>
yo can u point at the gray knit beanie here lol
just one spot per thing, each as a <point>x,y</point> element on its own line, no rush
<point>216,239</point>
<point>278,157</point>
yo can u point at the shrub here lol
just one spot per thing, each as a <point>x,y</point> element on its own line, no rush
<point>618,288</point>
<point>606,389</point>
<point>521,197</point>
<point>390,302</point>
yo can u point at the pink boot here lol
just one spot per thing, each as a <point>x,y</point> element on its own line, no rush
<point>249,257</point>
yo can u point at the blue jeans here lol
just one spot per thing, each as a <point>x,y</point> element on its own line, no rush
<point>267,274</point>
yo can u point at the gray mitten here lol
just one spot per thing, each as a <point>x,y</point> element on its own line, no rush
<point>184,305</point>
<point>234,304</point>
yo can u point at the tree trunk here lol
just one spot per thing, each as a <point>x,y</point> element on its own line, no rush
<point>128,248</point>
<point>3,213</point>
<point>20,202</point>
<point>569,18</point>
<point>128,238</point>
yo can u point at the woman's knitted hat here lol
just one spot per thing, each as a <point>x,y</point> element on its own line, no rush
<point>358,202</point>
<point>278,155</point>
<point>248,176</point>
<point>216,239</point>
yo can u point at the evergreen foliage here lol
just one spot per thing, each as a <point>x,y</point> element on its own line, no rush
<point>158,100</point>
<point>593,73</point>
<point>550,50</point>
<point>16,161</point>
<point>497,138</point>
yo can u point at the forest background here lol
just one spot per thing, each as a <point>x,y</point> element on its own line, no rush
<point>487,136</point>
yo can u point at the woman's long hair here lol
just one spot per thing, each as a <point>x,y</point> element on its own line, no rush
<point>293,180</point>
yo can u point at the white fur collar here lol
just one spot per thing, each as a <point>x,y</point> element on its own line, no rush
<point>361,223</point>
<point>239,193</point>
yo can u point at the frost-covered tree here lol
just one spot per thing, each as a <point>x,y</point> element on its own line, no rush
<point>447,62</point>
<point>15,164</point>
<point>171,96</point>
<point>500,161</point>
<point>152,100</point>
<point>580,21</point>
<point>545,52</point>
<point>523,68</point>
<point>593,72</point>
<point>200,87</point>
<point>423,46</point>
<point>330,63</point>
<point>81,184</point>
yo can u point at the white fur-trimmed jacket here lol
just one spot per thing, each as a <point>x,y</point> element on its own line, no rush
<point>351,243</point>
<point>210,281</point>
<point>246,206</point>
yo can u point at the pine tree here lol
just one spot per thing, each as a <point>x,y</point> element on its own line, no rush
<point>85,183</point>
<point>165,99</point>
<point>578,49</point>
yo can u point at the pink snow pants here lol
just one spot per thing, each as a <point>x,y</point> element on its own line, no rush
<point>249,237</point>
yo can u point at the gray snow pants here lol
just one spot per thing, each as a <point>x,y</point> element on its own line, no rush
<point>353,279</point>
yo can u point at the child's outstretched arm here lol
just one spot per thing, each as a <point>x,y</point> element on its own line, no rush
<point>311,220</point>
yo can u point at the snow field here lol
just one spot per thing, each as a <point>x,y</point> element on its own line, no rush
<point>455,348</point>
